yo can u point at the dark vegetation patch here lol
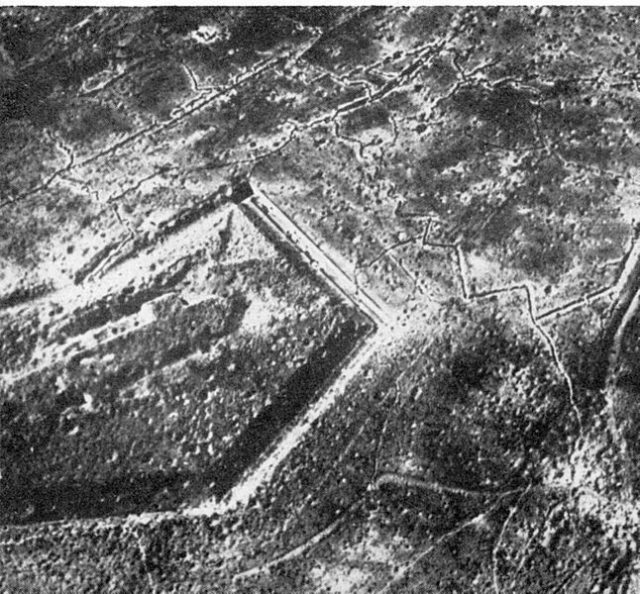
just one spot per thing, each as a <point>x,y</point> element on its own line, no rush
<point>510,109</point>
<point>84,121</point>
<point>313,16</point>
<point>47,67</point>
<point>440,157</point>
<point>28,93</point>
<point>426,22</point>
<point>541,247</point>
<point>371,116</point>
<point>158,91</point>
<point>19,335</point>
<point>243,30</point>
<point>260,29</point>
<point>183,20</point>
<point>349,43</point>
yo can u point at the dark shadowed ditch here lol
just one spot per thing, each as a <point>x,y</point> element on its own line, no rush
<point>296,393</point>
<point>25,502</point>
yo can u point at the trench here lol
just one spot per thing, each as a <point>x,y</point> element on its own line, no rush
<point>27,502</point>
<point>295,395</point>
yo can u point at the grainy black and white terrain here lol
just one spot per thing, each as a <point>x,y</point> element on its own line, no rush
<point>319,300</point>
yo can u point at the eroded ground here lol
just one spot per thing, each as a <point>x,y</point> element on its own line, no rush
<point>408,365</point>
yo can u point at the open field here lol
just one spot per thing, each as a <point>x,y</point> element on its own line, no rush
<point>319,299</point>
